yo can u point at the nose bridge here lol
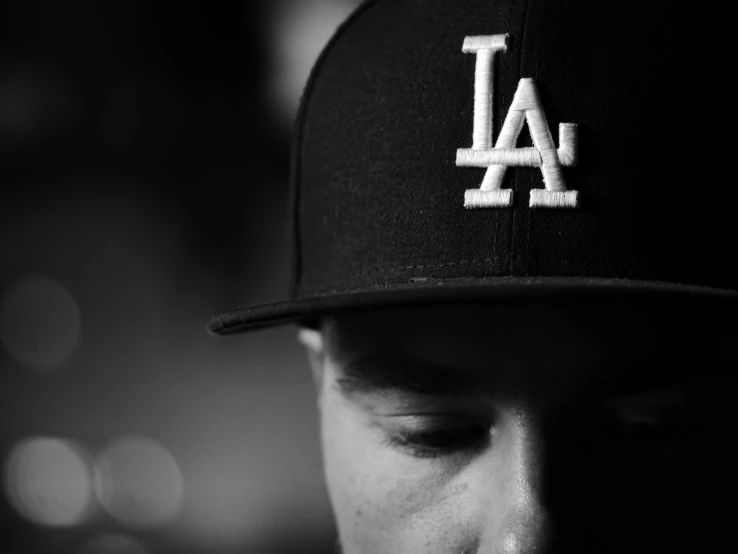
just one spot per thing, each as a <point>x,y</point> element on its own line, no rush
<point>522,520</point>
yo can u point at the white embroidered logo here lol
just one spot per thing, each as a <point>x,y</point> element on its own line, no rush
<point>526,106</point>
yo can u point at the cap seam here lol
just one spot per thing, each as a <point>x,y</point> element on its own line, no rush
<point>514,186</point>
<point>296,156</point>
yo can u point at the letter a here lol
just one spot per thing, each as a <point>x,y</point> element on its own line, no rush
<point>526,107</point>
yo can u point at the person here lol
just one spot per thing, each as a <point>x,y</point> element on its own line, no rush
<point>513,277</point>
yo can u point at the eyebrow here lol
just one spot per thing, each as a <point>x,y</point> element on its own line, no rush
<point>375,374</point>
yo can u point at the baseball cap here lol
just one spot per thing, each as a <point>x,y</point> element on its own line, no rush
<point>508,150</point>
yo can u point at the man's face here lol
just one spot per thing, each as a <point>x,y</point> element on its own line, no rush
<point>464,430</point>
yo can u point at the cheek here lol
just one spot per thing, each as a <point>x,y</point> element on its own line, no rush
<point>387,501</point>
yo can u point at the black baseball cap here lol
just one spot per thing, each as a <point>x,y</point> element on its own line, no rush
<point>508,150</point>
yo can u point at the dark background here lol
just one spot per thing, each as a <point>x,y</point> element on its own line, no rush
<point>143,169</point>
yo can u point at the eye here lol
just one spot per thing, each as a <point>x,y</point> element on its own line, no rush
<point>431,437</point>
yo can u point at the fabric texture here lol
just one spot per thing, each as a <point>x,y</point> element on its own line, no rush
<point>378,199</point>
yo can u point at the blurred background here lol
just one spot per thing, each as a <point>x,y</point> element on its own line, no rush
<point>143,175</point>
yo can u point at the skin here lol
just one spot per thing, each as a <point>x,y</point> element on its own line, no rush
<point>532,428</point>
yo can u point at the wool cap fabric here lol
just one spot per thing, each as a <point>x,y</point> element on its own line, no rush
<point>377,215</point>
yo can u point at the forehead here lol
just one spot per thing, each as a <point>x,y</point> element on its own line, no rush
<point>610,340</point>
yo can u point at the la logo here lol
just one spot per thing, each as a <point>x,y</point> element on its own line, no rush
<point>526,107</point>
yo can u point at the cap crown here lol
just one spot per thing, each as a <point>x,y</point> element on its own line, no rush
<point>379,197</point>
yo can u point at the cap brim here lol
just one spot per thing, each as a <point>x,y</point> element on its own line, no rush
<point>434,291</point>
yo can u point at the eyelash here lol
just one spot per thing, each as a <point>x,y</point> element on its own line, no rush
<point>434,443</point>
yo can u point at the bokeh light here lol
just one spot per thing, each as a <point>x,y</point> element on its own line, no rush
<point>301,29</point>
<point>36,100</point>
<point>138,482</point>
<point>49,482</point>
<point>112,544</point>
<point>39,323</point>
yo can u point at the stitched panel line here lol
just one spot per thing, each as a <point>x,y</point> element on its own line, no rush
<point>434,266</point>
